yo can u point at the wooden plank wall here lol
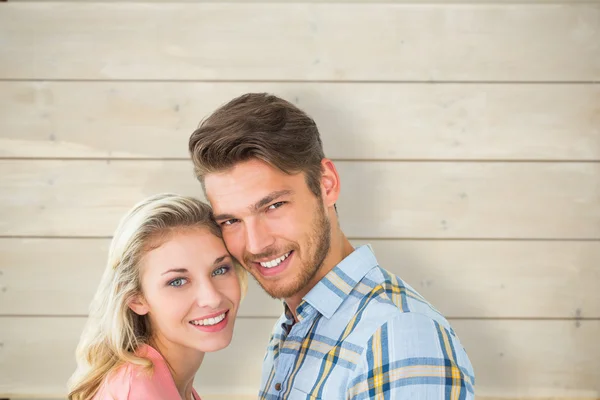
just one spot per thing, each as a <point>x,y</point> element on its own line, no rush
<point>467,136</point>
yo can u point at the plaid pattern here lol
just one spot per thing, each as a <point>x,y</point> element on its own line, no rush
<point>362,333</point>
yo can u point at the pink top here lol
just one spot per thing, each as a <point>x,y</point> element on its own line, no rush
<point>131,382</point>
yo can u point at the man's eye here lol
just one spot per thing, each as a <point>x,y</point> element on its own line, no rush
<point>229,222</point>
<point>276,205</point>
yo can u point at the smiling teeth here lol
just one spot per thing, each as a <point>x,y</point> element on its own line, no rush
<point>275,262</point>
<point>209,321</point>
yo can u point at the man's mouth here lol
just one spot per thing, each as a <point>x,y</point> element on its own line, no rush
<point>275,262</point>
<point>274,266</point>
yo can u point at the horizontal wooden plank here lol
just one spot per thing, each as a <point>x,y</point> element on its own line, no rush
<point>423,42</point>
<point>461,278</point>
<point>357,121</point>
<point>378,200</point>
<point>511,358</point>
<point>329,1</point>
<point>34,373</point>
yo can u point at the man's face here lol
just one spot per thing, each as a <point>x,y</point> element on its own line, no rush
<point>272,223</point>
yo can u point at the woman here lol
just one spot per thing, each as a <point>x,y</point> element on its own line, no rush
<point>170,293</point>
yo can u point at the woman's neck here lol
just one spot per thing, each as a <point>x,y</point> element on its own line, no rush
<point>183,363</point>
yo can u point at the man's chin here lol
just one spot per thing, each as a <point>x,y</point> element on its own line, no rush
<point>279,291</point>
<point>279,294</point>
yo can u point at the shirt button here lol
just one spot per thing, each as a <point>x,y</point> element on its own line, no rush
<point>278,386</point>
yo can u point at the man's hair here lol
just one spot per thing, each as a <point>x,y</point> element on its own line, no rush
<point>258,126</point>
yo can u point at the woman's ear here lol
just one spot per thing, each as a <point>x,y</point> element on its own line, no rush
<point>139,305</point>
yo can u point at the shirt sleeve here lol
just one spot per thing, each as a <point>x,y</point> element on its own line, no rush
<point>415,357</point>
<point>116,385</point>
<point>152,386</point>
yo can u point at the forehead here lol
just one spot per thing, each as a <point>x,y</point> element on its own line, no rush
<point>246,183</point>
<point>184,248</point>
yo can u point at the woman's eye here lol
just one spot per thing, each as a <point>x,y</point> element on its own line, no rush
<point>178,282</point>
<point>221,270</point>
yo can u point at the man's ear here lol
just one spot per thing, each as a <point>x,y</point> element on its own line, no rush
<point>330,183</point>
<point>139,305</point>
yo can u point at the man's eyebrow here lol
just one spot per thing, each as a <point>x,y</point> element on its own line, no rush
<point>258,205</point>
<point>223,217</point>
<point>270,198</point>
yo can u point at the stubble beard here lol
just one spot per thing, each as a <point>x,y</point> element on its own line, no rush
<point>319,240</point>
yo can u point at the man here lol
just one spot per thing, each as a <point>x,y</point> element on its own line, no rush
<point>350,329</point>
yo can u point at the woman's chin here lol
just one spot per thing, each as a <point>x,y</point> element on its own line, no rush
<point>211,347</point>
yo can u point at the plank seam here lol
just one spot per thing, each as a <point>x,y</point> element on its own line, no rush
<point>454,239</point>
<point>312,81</point>
<point>356,160</point>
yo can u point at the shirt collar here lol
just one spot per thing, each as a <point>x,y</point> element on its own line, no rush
<point>331,291</point>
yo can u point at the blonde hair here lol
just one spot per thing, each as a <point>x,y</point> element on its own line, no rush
<point>113,331</point>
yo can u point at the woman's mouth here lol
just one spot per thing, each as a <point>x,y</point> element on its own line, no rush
<point>213,323</point>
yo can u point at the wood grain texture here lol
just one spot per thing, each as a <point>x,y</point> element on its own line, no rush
<point>369,121</point>
<point>378,199</point>
<point>332,1</point>
<point>511,358</point>
<point>404,92</point>
<point>470,279</point>
<point>383,42</point>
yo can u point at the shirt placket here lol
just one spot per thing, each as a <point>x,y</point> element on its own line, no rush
<point>286,361</point>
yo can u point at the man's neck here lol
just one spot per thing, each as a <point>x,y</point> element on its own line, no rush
<point>340,248</point>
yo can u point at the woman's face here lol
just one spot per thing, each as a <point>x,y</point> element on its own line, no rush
<point>190,291</point>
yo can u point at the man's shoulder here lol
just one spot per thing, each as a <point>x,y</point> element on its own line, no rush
<point>382,296</point>
<point>392,311</point>
<point>381,286</point>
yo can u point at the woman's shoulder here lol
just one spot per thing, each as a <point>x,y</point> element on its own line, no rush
<point>117,384</point>
<point>135,382</point>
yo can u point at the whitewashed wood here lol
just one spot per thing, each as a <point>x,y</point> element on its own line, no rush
<point>37,357</point>
<point>331,1</point>
<point>357,121</point>
<point>378,199</point>
<point>552,394</point>
<point>517,358</point>
<point>460,278</point>
<point>426,42</point>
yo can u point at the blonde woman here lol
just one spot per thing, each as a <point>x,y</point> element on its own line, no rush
<point>169,294</point>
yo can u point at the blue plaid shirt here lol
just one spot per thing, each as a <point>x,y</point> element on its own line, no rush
<point>362,333</point>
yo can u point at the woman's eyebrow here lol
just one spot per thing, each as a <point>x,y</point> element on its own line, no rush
<point>178,270</point>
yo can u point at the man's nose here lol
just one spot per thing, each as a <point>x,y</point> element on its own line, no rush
<point>258,237</point>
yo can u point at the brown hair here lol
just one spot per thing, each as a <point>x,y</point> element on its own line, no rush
<point>261,126</point>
